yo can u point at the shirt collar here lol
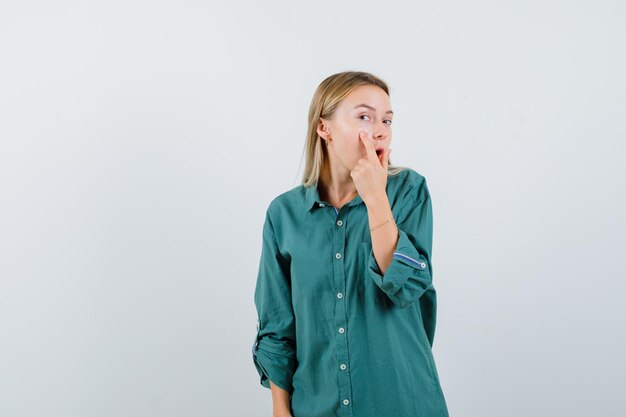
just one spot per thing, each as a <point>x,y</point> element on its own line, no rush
<point>312,198</point>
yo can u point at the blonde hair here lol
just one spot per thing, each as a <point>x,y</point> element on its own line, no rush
<point>327,97</point>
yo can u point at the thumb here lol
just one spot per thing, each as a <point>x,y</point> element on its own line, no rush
<point>386,158</point>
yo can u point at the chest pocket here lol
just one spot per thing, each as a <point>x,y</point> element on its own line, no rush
<point>367,288</point>
<point>364,252</point>
<point>366,255</point>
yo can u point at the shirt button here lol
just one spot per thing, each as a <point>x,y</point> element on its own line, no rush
<point>339,295</point>
<point>339,222</point>
<point>341,330</point>
<point>343,366</point>
<point>337,255</point>
<point>321,204</point>
<point>346,402</point>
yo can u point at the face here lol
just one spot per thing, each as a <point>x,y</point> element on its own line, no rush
<point>366,108</point>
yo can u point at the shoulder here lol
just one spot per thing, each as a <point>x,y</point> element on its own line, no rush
<point>285,202</point>
<point>407,182</point>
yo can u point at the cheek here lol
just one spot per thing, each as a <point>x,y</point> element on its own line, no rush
<point>358,150</point>
<point>353,147</point>
<point>351,153</point>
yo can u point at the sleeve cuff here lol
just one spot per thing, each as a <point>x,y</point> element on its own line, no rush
<point>274,361</point>
<point>408,275</point>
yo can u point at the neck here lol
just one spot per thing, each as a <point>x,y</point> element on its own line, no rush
<point>335,186</point>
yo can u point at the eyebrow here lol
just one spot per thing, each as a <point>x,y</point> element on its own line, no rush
<point>371,108</point>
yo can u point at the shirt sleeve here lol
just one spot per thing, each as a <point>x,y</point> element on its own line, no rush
<point>409,274</point>
<point>274,349</point>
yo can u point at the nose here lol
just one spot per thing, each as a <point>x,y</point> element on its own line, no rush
<point>381,132</point>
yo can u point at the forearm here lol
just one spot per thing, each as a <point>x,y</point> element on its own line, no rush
<point>280,400</point>
<point>385,237</point>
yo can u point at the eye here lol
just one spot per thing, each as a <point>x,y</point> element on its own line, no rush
<point>387,120</point>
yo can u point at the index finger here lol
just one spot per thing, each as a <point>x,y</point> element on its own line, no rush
<point>368,142</point>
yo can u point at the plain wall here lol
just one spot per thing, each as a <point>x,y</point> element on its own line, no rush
<point>141,142</point>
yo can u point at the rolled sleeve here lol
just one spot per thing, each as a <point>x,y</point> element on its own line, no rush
<point>274,348</point>
<point>409,274</point>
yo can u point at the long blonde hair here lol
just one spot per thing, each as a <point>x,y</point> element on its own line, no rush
<point>327,97</point>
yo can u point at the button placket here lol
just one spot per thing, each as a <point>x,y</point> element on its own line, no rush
<point>341,318</point>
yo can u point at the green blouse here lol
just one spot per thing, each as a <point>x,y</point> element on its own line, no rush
<point>342,338</point>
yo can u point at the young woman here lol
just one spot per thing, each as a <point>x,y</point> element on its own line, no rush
<point>344,294</point>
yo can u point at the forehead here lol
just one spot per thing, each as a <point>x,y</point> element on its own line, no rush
<point>369,95</point>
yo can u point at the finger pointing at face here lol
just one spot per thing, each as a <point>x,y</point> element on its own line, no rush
<point>368,142</point>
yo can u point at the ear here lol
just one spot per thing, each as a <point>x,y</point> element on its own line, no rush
<point>322,129</point>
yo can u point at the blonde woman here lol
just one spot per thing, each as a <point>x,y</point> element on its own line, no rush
<point>344,294</point>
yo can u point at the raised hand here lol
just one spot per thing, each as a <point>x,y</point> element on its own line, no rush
<point>370,173</point>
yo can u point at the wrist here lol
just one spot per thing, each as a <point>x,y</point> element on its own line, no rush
<point>378,201</point>
<point>281,408</point>
<point>285,412</point>
<point>379,207</point>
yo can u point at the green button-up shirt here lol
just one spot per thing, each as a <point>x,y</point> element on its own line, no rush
<point>342,338</point>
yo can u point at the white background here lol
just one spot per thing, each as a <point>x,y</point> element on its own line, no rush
<point>141,142</point>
